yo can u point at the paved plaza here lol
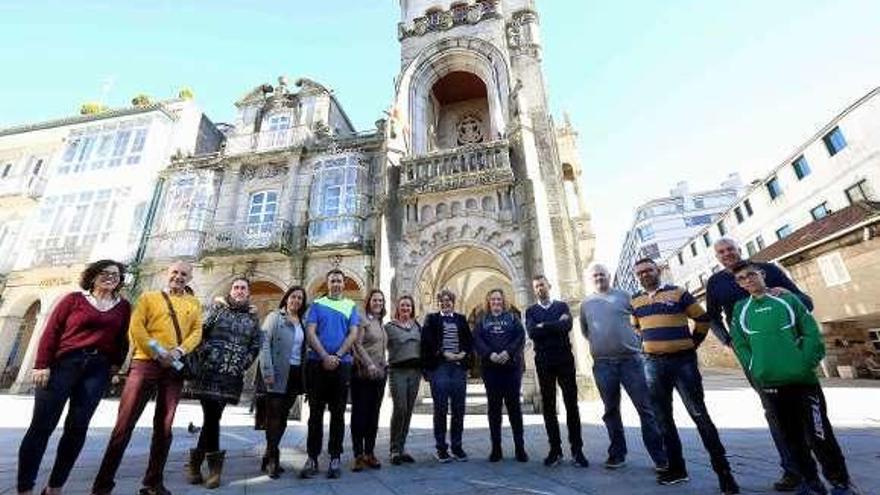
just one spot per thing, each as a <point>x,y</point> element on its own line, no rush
<point>854,410</point>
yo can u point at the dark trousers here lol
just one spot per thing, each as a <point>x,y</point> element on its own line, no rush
<point>628,372</point>
<point>209,437</point>
<point>81,378</point>
<point>503,385</point>
<point>327,390</point>
<point>786,460</point>
<point>403,383</point>
<point>366,401</point>
<point>679,371</point>
<point>803,421</point>
<point>563,374</point>
<point>143,378</point>
<point>278,409</point>
<point>448,385</point>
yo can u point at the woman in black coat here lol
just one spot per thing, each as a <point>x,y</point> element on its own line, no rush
<point>230,344</point>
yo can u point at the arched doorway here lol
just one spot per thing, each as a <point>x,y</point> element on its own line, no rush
<point>265,296</point>
<point>352,290</point>
<point>459,113</point>
<point>19,346</point>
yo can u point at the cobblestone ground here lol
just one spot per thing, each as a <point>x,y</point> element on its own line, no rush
<point>854,408</point>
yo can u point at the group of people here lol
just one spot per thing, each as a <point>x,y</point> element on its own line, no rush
<point>330,350</point>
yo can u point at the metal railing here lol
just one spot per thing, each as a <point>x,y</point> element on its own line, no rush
<point>177,244</point>
<point>277,235</point>
<point>267,140</point>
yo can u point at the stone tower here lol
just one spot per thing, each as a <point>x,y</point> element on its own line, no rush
<point>479,196</point>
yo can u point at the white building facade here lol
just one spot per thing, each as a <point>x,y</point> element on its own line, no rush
<point>81,190</point>
<point>837,167</point>
<point>663,225</point>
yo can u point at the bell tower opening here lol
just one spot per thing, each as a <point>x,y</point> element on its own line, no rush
<point>459,111</point>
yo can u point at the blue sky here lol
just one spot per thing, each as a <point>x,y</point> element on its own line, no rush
<point>660,91</point>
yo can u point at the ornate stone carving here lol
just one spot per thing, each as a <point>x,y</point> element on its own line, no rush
<point>442,20</point>
<point>521,35</point>
<point>259,172</point>
<point>469,130</point>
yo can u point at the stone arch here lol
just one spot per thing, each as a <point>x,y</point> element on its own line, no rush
<point>266,291</point>
<point>462,54</point>
<point>488,204</point>
<point>22,334</point>
<point>355,286</point>
<point>442,210</point>
<point>471,204</point>
<point>427,214</point>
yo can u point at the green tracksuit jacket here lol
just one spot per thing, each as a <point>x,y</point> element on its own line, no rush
<point>777,340</point>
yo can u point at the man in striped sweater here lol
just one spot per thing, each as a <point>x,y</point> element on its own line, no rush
<point>660,315</point>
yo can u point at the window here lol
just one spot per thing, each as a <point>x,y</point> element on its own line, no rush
<point>801,167</point>
<point>748,206</point>
<point>6,170</point>
<point>750,248</point>
<point>699,203</point>
<point>140,138</point>
<point>702,280</point>
<point>337,203</point>
<point>694,249</point>
<point>680,258</point>
<point>820,211</point>
<point>698,220</point>
<point>261,212</point>
<point>874,337</point>
<point>37,166</point>
<point>760,242</point>
<point>707,239</point>
<point>783,232</point>
<point>858,192</point>
<point>646,233</point>
<point>740,218</point>
<point>833,269</point>
<point>834,141</point>
<point>722,229</point>
<point>774,188</point>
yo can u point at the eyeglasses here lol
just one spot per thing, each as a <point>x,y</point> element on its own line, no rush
<point>745,276</point>
<point>108,274</point>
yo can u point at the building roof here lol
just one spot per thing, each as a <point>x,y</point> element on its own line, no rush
<point>80,119</point>
<point>824,229</point>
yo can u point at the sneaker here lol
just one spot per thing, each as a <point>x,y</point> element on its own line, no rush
<point>521,455</point>
<point>459,454</point>
<point>495,455</point>
<point>406,458</point>
<point>727,484</point>
<point>358,464</point>
<point>847,489</point>
<point>553,458</point>
<point>396,459</point>
<point>154,490</point>
<point>615,463</point>
<point>334,470</point>
<point>672,477</point>
<point>442,456</point>
<point>579,459</point>
<point>310,469</point>
<point>788,483</point>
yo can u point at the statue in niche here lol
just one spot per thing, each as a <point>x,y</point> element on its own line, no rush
<point>433,144</point>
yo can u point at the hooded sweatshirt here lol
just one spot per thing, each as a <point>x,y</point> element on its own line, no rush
<point>497,333</point>
<point>777,340</point>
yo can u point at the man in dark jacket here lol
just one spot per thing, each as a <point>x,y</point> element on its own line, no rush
<point>548,323</point>
<point>446,344</point>
<point>722,293</point>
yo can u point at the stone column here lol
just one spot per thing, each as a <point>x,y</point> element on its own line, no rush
<point>229,196</point>
<point>23,381</point>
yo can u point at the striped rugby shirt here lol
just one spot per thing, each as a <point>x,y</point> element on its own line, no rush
<point>662,320</point>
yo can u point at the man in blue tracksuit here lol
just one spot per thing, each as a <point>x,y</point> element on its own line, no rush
<point>498,341</point>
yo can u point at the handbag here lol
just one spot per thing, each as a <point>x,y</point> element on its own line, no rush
<point>190,361</point>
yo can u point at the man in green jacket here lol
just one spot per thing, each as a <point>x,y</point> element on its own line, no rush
<point>778,342</point>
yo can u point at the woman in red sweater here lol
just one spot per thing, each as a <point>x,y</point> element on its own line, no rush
<point>83,343</point>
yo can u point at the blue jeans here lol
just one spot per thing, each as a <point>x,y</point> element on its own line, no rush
<point>679,371</point>
<point>629,372</point>
<point>448,384</point>
<point>81,378</point>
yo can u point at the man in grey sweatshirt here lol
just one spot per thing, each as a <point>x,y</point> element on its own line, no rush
<point>617,360</point>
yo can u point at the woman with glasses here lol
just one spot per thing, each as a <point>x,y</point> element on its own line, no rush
<point>281,360</point>
<point>84,342</point>
<point>230,344</point>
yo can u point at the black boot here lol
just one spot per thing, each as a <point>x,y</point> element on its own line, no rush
<point>215,468</point>
<point>194,467</point>
<point>273,465</point>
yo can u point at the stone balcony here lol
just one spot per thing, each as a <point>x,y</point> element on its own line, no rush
<point>464,167</point>
<point>279,236</point>
<point>59,256</point>
<point>177,244</point>
<point>267,140</point>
